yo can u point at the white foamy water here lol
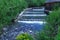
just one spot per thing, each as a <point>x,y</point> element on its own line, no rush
<point>34,15</point>
<point>40,22</point>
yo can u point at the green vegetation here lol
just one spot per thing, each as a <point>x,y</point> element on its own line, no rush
<point>54,22</point>
<point>36,3</point>
<point>24,36</point>
<point>9,9</point>
<point>58,34</point>
<point>56,6</point>
<point>42,36</point>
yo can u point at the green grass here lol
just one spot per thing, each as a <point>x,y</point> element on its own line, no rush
<point>9,9</point>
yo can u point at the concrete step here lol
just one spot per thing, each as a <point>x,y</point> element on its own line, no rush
<point>36,9</point>
<point>34,12</point>
<point>34,15</point>
<point>40,22</point>
<point>32,19</point>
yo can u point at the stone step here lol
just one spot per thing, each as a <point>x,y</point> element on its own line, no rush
<point>40,22</point>
<point>34,15</point>
<point>32,19</point>
<point>36,9</point>
<point>34,12</point>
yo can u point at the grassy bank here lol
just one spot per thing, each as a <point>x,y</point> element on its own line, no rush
<point>9,9</point>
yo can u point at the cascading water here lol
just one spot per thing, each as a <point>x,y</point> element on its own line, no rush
<point>30,20</point>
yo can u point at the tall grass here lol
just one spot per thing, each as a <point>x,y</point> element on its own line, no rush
<point>9,10</point>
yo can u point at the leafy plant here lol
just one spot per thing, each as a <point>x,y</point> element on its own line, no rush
<point>58,34</point>
<point>42,36</point>
<point>24,36</point>
<point>53,22</point>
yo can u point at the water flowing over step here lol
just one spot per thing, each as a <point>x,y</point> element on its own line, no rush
<point>33,14</point>
<point>30,20</point>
